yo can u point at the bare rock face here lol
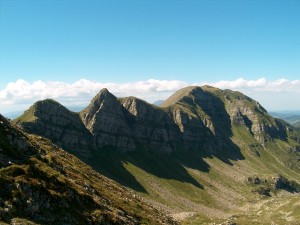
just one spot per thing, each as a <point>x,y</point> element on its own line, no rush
<point>247,112</point>
<point>201,117</point>
<point>150,125</point>
<point>104,118</point>
<point>192,118</point>
<point>50,119</point>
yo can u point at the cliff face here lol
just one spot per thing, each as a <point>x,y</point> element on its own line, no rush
<point>245,111</point>
<point>50,119</point>
<point>105,119</point>
<point>150,126</point>
<point>191,118</point>
<point>202,117</point>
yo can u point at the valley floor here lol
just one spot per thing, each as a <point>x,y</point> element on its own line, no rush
<point>283,209</point>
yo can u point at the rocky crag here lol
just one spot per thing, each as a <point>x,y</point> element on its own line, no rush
<point>42,184</point>
<point>193,117</point>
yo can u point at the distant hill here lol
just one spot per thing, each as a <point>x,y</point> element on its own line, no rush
<point>15,114</point>
<point>158,102</point>
<point>290,117</point>
<point>297,124</point>
<point>205,155</point>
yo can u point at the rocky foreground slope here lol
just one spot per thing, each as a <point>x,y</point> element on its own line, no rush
<point>205,155</point>
<point>42,184</point>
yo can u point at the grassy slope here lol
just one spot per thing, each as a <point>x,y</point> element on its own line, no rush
<point>199,188</point>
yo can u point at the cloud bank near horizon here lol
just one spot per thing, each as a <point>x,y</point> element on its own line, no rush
<point>21,94</point>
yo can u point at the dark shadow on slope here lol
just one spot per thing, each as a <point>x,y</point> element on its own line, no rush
<point>165,166</point>
<point>193,159</point>
<point>280,132</point>
<point>111,164</point>
<point>225,149</point>
<point>229,154</point>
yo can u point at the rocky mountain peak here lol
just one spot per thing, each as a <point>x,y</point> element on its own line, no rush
<point>104,100</point>
<point>102,95</point>
<point>104,118</point>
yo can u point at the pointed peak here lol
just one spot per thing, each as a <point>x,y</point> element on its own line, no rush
<point>104,91</point>
<point>102,95</point>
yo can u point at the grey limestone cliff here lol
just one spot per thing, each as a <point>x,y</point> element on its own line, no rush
<point>50,119</point>
<point>105,119</point>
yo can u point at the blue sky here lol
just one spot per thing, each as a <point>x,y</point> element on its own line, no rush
<point>130,41</point>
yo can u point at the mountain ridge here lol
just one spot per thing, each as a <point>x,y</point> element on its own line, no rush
<point>211,155</point>
<point>107,120</point>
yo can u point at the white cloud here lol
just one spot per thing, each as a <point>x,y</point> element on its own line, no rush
<point>21,94</point>
<point>261,85</point>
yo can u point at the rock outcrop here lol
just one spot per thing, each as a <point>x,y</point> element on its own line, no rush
<point>105,119</point>
<point>50,119</point>
<point>248,112</point>
<point>192,118</point>
<point>150,126</point>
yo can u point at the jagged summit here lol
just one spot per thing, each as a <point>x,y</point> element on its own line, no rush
<point>103,93</point>
<point>103,100</point>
